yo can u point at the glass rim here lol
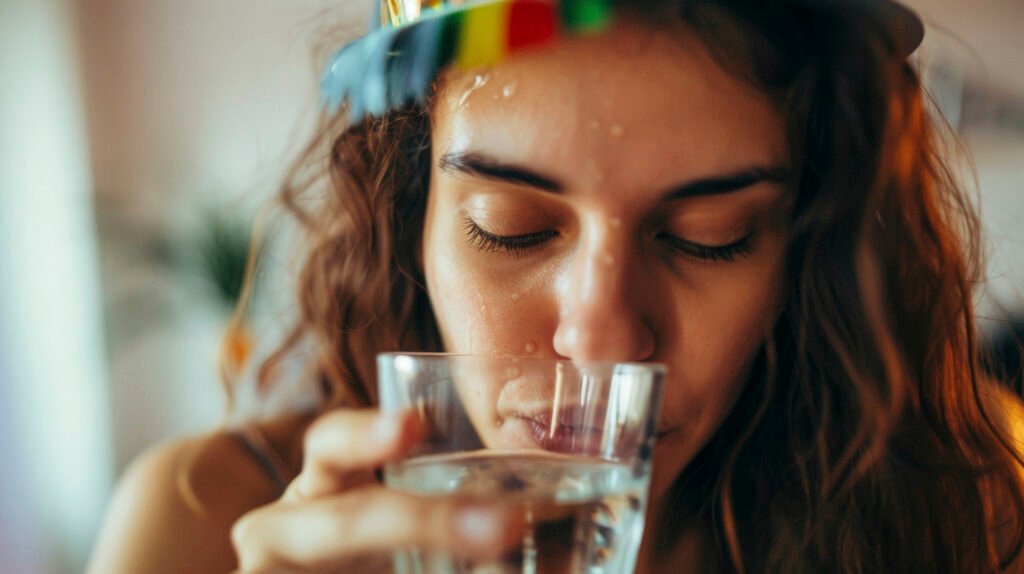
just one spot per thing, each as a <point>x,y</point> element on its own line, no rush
<point>659,368</point>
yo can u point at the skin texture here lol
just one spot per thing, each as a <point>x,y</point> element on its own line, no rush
<point>607,284</point>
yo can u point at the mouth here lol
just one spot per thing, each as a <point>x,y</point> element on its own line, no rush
<point>571,432</point>
<point>562,437</point>
<point>529,417</point>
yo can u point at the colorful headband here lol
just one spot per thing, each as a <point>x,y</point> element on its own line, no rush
<point>414,40</point>
<point>396,64</point>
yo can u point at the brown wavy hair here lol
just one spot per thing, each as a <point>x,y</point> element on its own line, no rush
<point>866,439</point>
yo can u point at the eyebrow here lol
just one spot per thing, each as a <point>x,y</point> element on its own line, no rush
<point>484,167</point>
<point>730,182</point>
<point>479,165</point>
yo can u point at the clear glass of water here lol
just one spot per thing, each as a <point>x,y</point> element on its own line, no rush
<point>568,444</point>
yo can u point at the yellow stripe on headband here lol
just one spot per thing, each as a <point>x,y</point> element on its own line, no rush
<point>483,40</point>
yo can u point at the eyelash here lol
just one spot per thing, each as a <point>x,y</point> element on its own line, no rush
<point>518,245</point>
<point>730,252</point>
<point>514,245</point>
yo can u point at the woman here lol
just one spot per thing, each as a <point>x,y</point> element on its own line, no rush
<point>749,192</point>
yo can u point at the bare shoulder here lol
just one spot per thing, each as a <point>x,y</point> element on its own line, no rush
<point>175,505</point>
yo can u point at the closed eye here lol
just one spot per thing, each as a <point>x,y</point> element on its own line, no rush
<point>515,245</point>
<point>710,253</point>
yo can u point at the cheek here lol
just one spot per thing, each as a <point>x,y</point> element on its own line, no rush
<point>717,333</point>
<point>480,311</point>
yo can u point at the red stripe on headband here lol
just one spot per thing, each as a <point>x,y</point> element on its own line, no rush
<point>531,22</point>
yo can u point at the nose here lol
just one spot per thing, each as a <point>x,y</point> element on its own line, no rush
<point>600,306</point>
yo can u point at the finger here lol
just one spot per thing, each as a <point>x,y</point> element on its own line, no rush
<point>343,447</point>
<point>320,534</point>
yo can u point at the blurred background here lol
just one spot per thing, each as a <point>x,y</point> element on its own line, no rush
<point>140,140</point>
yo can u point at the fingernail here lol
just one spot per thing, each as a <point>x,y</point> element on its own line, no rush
<point>387,427</point>
<point>478,524</point>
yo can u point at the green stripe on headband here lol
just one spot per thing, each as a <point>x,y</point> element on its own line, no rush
<point>586,15</point>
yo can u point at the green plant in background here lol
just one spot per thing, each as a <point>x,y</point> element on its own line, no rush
<point>224,247</point>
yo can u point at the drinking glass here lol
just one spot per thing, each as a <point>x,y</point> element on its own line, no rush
<point>567,444</point>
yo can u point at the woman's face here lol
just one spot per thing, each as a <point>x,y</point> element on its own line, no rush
<point>616,197</point>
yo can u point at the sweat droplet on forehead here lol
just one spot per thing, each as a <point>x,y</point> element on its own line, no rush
<point>510,88</point>
<point>479,81</point>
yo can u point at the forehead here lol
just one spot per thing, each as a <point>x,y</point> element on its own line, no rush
<point>645,106</point>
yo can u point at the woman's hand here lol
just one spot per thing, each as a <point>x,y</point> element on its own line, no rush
<point>335,514</point>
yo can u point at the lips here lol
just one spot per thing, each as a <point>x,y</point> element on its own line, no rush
<point>534,411</point>
<point>562,437</point>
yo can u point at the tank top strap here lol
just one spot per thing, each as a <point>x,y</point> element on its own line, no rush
<point>254,441</point>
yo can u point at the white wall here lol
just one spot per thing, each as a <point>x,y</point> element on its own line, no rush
<point>999,161</point>
<point>54,427</point>
<point>184,102</point>
<point>197,97</point>
<point>982,35</point>
<point>977,44</point>
<point>191,104</point>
